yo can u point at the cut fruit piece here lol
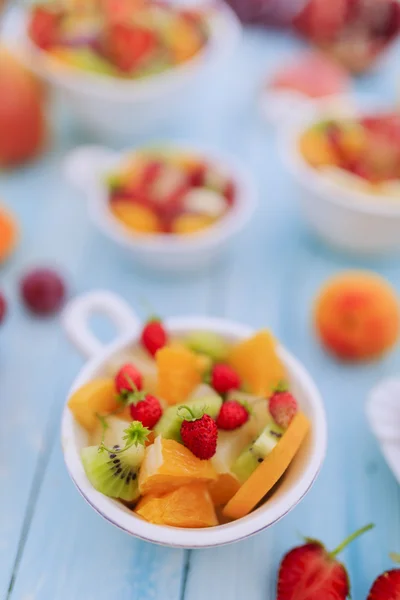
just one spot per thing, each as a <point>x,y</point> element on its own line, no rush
<point>224,489</point>
<point>208,343</point>
<point>169,465</point>
<point>190,224</point>
<point>258,364</point>
<point>113,434</point>
<point>229,446</point>
<point>114,475</point>
<point>140,219</point>
<point>82,58</point>
<point>169,426</point>
<point>96,397</point>
<point>188,506</point>
<point>178,374</point>
<point>260,415</point>
<point>8,234</point>
<point>269,472</point>
<point>251,457</point>
<point>143,362</point>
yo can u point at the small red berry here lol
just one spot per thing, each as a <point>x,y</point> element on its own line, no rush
<point>128,379</point>
<point>387,586</point>
<point>200,436</point>
<point>43,291</point>
<point>154,336</point>
<point>148,411</point>
<point>224,379</point>
<point>3,307</point>
<point>232,415</point>
<point>283,407</point>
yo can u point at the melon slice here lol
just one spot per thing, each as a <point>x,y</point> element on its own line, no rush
<point>96,397</point>
<point>270,470</point>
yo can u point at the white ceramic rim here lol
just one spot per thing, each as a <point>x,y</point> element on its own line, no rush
<point>235,219</point>
<point>75,321</point>
<point>327,189</point>
<point>225,31</point>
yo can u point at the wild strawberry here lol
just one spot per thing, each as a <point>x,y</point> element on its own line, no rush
<point>147,410</point>
<point>232,415</point>
<point>224,379</point>
<point>311,572</point>
<point>128,379</point>
<point>3,307</point>
<point>43,291</point>
<point>199,433</point>
<point>127,46</point>
<point>283,406</point>
<point>154,336</point>
<point>387,586</point>
<point>44,27</point>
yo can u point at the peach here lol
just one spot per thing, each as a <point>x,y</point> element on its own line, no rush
<point>357,316</point>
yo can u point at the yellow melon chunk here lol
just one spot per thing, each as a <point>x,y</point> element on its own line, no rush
<point>258,364</point>
<point>178,373</point>
<point>97,396</point>
<point>270,470</point>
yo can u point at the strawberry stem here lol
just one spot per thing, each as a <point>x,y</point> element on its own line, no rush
<point>351,539</point>
<point>281,387</point>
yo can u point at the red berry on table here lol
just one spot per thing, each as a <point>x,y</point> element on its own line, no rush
<point>224,379</point>
<point>3,307</point>
<point>148,411</point>
<point>154,336</point>
<point>199,434</point>
<point>283,406</point>
<point>232,415</point>
<point>128,379</point>
<point>43,291</point>
<point>311,572</point>
<point>387,586</point>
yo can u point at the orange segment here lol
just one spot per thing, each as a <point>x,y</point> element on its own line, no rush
<point>138,218</point>
<point>97,396</point>
<point>270,470</point>
<point>168,465</point>
<point>188,506</point>
<point>8,234</point>
<point>223,489</point>
<point>189,224</point>
<point>257,363</point>
<point>178,373</point>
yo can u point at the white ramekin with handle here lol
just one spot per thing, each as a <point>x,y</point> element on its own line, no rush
<point>297,482</point>
<point>87,167</point>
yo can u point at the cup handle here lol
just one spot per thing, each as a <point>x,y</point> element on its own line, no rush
<point>77,313</point>
<point>84,166</point>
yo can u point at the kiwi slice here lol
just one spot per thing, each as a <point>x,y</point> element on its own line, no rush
<point>255,453</point>
<point>208,343</point>
<point>169,426</point>
<point>114,474</point>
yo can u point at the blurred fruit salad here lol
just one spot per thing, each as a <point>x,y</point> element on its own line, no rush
<point>362,154</point>
<point>190,431</point>
<point>131,39</point>
<point>171,192</point>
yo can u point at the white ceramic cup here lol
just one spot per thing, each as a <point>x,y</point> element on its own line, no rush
<point>86,168</point>
<point>296,483</point>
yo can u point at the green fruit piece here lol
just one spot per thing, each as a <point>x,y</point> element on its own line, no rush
<point>114,474</point>
<point>208,343</point>
<point>87,60</point>
<point>114,182</point>
<point>169,426</point>
<point>255,453</point>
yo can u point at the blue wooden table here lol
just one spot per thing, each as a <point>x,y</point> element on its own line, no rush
<point>52,545</point>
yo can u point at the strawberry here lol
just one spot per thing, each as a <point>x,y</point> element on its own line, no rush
<point>147,409</point>
<point>3,307</point>
<point>283,406</point>
<point>127,47</point>
<point>199,433</point>
<point>44,27</point>
<point>154,336</point>
<point>310,572</point>
<point>128,379</point>
<point>387,586</point>
<point>224,379</point>
<point>232,415</point>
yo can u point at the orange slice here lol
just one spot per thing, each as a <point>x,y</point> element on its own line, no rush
<point>168,465</point>
<point>257,363</point>
<point>138,218</point>
<point>8,234</point>
<point>97,396</point>
<point>223,489</point>
<point>178,373</point>
<point>270,470</point>
<point>188,506</point>
<point>188,224</point>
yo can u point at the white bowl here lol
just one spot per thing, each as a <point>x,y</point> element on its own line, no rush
<point>117,109</point>
<point>86,167</point>
<point>350,220</point>
<point>297,482</point>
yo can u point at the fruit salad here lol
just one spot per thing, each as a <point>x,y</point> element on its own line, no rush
<point>169,192</point>
<point>133,39</point>
<point>361,153</point>
<point>190,431</point>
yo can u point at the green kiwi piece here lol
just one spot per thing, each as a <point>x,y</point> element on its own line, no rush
<point>254,454</point>
<point>114,474</point>
<point>87,60</point>
<point>208,343</point>
<point>169,426</point>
